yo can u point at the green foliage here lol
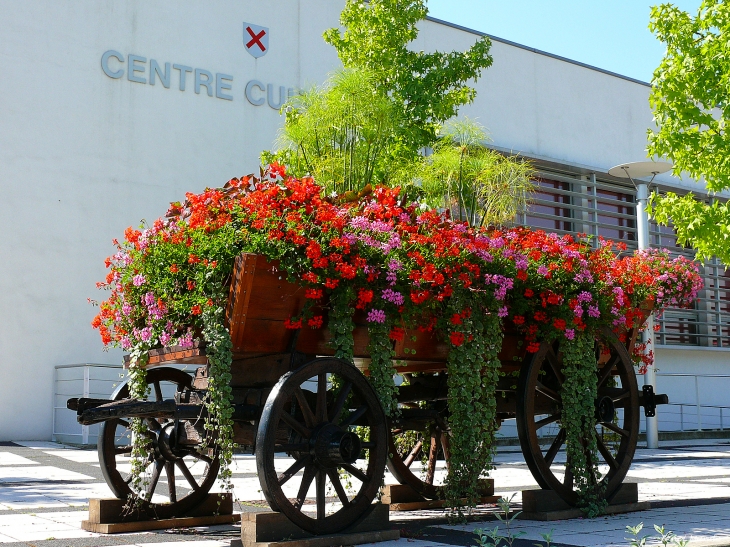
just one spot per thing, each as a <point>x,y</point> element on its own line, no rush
<point>476,184</point>
<point>219,396</point>
<point>495,538</point>
<point>139,459</point>
<point>665,537</point>
<point>579,392</point>
<point>473,372</point>
<point>690,97</point>
<point>706,227</point>
<point>691,91</point>
<point>427,88</point>
<point>381,367</point>
<point>342,133</point>
<point>340,324</point>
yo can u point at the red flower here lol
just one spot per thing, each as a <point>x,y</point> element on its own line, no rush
<point>559,324</point>
<point>347,271</point>
<point>174,268</point>
<point>315,322</point>
<point>518,320</point>
<point>456,338</point>
<point>275,169</point>
<point>289,324</point>
<point>331,283</point>
<point>529,293</point>
<point>132,235</point>
<point>533,347</point>
<point>195,310</point>
<point>522,275</point>
<point>313,250</point>
<point>191,285</point>
<point>314,294</point>
<point>456,319</point>
<point>541,316</point>
<point>310,277</point>
<point>397,334</point>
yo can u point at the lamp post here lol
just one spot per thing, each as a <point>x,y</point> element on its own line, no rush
<point>632,171</point>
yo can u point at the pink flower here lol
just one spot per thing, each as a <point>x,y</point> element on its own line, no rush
<point>376,316</point>
<point>394,297</point>
<point>569,334</point>
<point>138,280</point>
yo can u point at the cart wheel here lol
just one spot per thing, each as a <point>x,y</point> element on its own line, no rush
<point>616,418</point>
<point>322,430</point>
<point>418,448</point>
<point>198,469</point>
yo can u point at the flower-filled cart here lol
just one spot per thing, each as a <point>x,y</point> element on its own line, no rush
<point>337,335</point>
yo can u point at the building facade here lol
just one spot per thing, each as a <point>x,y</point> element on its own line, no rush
<point>111,110</point>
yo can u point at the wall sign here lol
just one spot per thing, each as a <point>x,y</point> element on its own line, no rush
<point>141,70</point>
<point>256,39</point>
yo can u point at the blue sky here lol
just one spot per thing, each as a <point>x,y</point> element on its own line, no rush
<point>609,34</point>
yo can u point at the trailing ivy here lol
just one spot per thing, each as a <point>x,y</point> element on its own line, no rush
<point>578,394</point>
<point>341,324</point>
<point>219,396</point>
<point>138,389</point>
<point>472,379</point>
<point>381,367</point>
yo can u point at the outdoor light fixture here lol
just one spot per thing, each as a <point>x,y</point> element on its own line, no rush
<point>632,171</point>
<point>639,170</point>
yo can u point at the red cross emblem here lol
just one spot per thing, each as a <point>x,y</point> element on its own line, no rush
<point>256,39</point>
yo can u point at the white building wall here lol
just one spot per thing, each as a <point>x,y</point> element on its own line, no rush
<point>83,155</point>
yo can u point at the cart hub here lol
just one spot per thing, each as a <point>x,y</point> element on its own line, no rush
<point>333,446</point>
<point>605,409</point>
<point>166,443</point>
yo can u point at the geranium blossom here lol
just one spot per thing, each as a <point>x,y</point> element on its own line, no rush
<point>402,263</point>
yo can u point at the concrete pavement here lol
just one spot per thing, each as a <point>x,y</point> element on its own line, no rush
<point>45,487</point>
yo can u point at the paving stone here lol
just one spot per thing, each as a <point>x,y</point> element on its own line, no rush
<point>8,458</point>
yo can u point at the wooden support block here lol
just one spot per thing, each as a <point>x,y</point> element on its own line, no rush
<point>402,497</point>
<point>268,529</point>
<point>144,525</point>
<point>108,511</point>
<point>547,505</point>
<point>435,504</point>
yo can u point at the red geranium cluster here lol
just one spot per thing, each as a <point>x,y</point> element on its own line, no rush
<point>403,262</point>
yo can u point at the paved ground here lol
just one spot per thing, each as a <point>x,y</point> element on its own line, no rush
<point>44,489</point>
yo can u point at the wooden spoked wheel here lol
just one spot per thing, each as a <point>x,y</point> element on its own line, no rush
<point>196,469</point>
<point>322,434</point>
<point>418,449</point>
<point>616,418</point>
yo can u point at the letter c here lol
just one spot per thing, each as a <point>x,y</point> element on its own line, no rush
<point>249,88</point>
<point>105,64</point>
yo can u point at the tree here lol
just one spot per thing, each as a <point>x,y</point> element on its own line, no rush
<point>476,184</point>
<point>343,133</point>
<point>690,97</point>
<point>369,123</point>
<point>427,88</point>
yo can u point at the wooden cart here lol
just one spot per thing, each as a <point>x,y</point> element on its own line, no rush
<point>315,423</point>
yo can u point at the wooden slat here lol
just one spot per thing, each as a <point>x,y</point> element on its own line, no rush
<point>239,296</point>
